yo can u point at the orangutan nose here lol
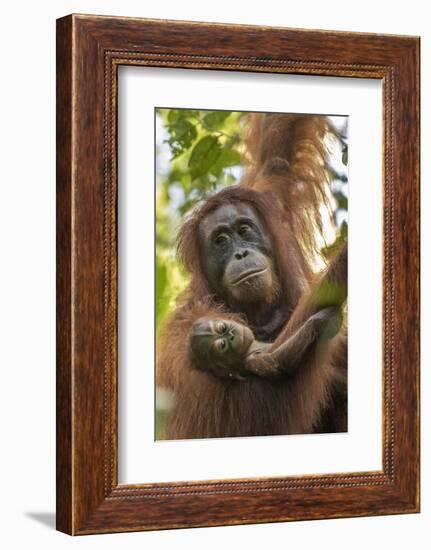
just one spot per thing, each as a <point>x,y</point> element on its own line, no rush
<point>240,254</point>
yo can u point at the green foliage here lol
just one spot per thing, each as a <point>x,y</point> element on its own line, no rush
<point>204,154</point>
<point>170,279</point>
<point>341,199</point>
<point>329,251</point>
<point>182,134</point>
<point>214,119</point>
<point>340,185</point>
<point>204,146</point>
<point>200,151</point>
<point>330,294</point>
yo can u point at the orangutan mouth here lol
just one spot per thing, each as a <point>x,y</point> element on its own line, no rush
<point>249,275</point>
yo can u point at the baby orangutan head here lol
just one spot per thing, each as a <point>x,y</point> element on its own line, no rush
<point>221,346</point>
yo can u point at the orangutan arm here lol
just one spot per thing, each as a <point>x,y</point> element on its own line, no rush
<point>317,318</point>
<point>329,291</point>
<point>287,357</point>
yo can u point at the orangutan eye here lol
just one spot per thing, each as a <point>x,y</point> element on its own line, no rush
<point>221,327</point>
<point>244,229</point>
<point>220,345</point>
<point>222,239</point>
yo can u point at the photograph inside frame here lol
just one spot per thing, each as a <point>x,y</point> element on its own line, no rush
<point>251,273</point>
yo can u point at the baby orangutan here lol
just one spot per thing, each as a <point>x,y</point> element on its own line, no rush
<point>227,348</point>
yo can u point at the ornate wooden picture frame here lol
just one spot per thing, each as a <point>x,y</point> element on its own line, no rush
<point>89,51</point>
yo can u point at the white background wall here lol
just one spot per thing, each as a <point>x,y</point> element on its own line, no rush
<point>27,305</point>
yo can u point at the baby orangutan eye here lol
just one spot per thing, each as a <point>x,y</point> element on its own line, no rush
<point>220,345</point>
<point>221,327</point>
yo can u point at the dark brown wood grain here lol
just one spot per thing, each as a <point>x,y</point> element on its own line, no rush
<point>89,50</point>
<point>64,287</point>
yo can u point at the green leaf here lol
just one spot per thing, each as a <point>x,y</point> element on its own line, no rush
<point>181,136</point>
<point>329,251</point>
<point>204,154</point>
<point>329,294</point>
<point>175,176</point>
<point>345,155</point>
<point>230,180</point>
<point>215,119</point>
<point>341,200</point>
<point>344,230</point>
<point>175,115</point>
<point>228,157</point>
<point>186,181</point>
<point>162,295</point>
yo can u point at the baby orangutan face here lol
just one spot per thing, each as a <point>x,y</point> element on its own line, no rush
<point>221,345</point>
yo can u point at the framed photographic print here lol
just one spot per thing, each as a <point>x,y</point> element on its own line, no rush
<point>237,274</point>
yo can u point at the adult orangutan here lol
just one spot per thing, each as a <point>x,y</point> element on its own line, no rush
<point>249,250</point>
